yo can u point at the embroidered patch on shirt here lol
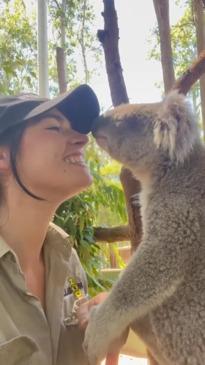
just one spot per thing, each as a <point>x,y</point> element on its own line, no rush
<point>74,286</point>
<point>73,295</point>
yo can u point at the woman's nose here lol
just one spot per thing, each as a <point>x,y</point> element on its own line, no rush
<point>78,138</point>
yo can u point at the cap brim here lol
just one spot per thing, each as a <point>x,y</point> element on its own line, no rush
<point>79,106</point>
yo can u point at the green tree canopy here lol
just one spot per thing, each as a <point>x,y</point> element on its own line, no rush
<point>18,53</point>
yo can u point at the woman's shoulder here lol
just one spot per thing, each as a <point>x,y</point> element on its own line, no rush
<point>56,230</point>
<point>58,236</point>
<point>58,239</point>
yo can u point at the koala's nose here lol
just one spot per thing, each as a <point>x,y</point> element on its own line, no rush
<point>98,124</point>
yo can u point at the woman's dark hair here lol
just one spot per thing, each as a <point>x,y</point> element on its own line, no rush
<point>12,138</point>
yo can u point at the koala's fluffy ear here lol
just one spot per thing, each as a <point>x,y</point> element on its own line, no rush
<point>175,128</point>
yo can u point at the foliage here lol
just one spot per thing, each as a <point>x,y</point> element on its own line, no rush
<point>18,44</point>
<point>17,48</point>
<point>71,22</point>
<point>78,216</point>
<point>183,36</point>
<point>184,42</point>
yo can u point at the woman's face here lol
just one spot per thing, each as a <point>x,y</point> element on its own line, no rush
<point>50,161</point>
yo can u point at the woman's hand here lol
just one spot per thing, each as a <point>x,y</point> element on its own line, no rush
<point>84,309</point>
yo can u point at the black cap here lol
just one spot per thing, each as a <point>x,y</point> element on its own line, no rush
<point>79,106</point>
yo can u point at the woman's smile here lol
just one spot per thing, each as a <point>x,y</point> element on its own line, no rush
<point>75,159</point>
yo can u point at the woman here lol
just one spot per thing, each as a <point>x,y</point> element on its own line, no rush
<point>41,165</point>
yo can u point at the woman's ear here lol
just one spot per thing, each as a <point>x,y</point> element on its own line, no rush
<point>4,160</point>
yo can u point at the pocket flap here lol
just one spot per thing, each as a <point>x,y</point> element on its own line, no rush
<point>17,351</point>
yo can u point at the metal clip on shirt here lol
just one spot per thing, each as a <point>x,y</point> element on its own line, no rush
<point>71,307</point>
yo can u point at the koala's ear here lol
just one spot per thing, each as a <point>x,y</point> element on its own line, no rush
<point>175,128</point>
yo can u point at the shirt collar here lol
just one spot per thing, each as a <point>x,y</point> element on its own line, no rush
<point>56,238</point>
<point>4,248</point>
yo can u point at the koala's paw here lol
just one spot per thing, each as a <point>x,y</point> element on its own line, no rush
<point>96,342</point>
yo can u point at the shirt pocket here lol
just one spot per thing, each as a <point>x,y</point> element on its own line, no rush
<point>17,351</point>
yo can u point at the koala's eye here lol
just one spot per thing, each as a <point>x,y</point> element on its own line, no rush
<point>138,123</point>
<point>118,123</point>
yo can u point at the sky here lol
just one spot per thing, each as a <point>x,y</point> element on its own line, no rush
<point>136,18</point>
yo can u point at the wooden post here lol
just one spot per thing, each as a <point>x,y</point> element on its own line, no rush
<point>42,49</point>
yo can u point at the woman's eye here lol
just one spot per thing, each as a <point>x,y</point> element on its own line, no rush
<point>54,128</point>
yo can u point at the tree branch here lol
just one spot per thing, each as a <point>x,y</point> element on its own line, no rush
<point>191,75</point>
<point>114,234</point>
<point>162,14</point>
<point>203,1</point>
<point>57,4</point>
<point>109,39</point>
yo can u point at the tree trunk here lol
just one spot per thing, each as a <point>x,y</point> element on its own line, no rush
<point>82,43</point>
<point>162,14</point>
<point>200,33</point>
<point>109,39</point>
<point>61,69</point>
<point>131,189</point>
<point>60,51</point>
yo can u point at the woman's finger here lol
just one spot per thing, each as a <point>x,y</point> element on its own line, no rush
<point>112,359</point>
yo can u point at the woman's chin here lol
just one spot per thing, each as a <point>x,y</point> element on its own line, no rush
<point>81,184</point>
<point>86,181</point>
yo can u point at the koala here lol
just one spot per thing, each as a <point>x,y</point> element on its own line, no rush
<point>161,292</point>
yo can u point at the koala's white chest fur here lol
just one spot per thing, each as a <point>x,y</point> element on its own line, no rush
<point>144,197</point>
<point>146,189</point>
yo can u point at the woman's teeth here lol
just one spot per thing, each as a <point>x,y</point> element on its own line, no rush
<point>75,160</point>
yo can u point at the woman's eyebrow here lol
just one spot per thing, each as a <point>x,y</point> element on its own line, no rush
<point>58,117</point>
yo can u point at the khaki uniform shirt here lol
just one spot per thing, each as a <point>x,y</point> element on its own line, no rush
<point>28,334</point>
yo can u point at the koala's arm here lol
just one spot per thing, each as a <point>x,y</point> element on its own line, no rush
<point>156,269</point>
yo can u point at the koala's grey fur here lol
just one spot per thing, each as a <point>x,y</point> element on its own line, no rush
<point>161,293</point>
